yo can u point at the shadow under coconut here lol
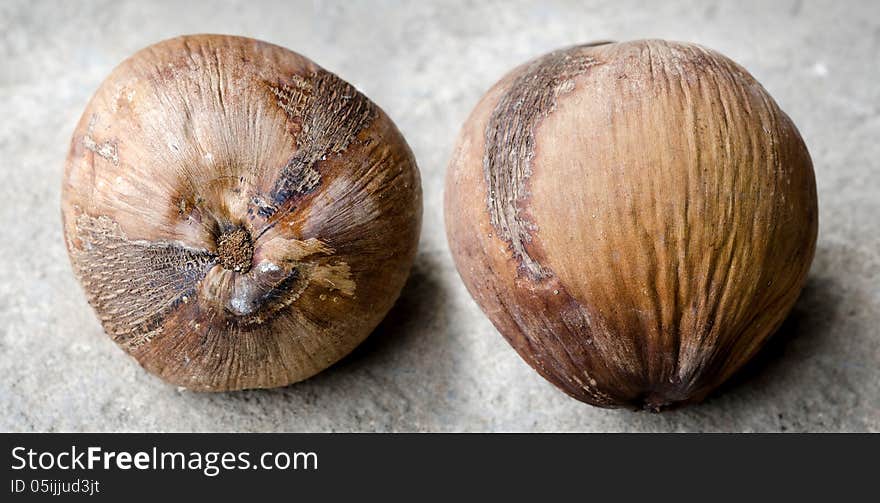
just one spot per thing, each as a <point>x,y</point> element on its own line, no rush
<point>388,348</point>
<point>764,394</point>
<point>818,372</point>
<point>806,325</point>
<point>815,372</point>
<point>416,308</point>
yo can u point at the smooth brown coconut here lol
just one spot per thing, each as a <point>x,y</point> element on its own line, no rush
<point>227,207</point>
<point>635,218</point>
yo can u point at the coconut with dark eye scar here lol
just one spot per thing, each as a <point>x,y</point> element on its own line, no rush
<point>238,216</point>
<point>635,218</point>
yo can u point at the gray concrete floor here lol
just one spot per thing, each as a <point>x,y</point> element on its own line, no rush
<point>436,364</point>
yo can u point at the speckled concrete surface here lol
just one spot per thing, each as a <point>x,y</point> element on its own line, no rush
<point>436,364</point>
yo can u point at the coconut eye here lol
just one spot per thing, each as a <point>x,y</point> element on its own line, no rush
<point>635,218</point>
<point>226,207</point>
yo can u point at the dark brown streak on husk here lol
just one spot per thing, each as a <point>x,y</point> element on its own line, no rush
<point>329,113</point>
<point>106,260</point>
<point>557,347</point>
<point>510,143</point>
